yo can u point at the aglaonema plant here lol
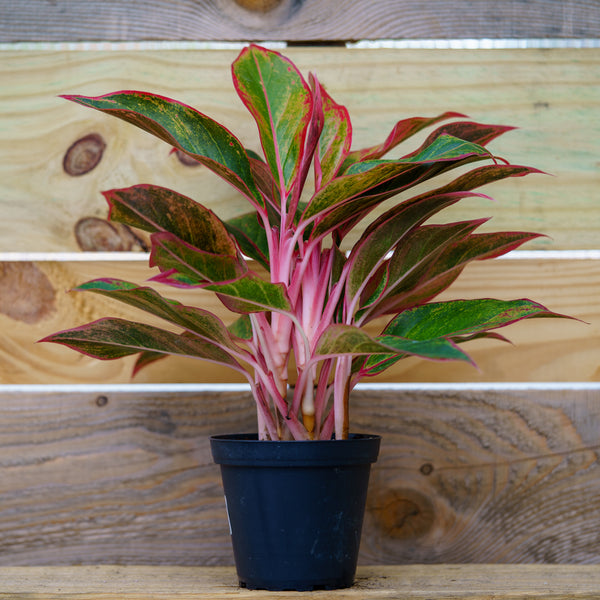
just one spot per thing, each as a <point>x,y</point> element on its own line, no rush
<point>307,315</point>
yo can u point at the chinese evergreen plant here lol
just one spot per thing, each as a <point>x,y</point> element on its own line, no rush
<point>308,314</point>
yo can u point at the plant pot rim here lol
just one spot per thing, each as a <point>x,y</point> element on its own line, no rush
<point>246,449</point>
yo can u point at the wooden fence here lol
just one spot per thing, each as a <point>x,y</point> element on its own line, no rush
<point>498,464</point>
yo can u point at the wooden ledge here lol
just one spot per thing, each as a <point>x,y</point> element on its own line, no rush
<point>434,582</point>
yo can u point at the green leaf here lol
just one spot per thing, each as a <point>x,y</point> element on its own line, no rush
<point>335,139</point>
<point>388,230</point>
<point>280,100</point>
<point>469,131</point>
<point>169,253</point>
<point>443,148</point>
<point>242,328</point>
<point>252,294</point>
<point>109,338</point>
<point>376,240</point>
<point>186,129</point>
<point>439,349</point>
<point>346,339</point>
<point>463,317</point>
<point>195,320</point>
<point>420,251</point>
<point>366,184</point>
<point>432,331</point>
<point>157,209</point>
<point>403,129</point>
<point>383,351</point>
<point>251,237</point>
<point>453,260</point>
<point>483,175</point>
<point>428,264</point>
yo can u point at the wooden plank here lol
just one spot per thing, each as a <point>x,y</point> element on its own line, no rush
<point>34,303</point>
<point>436,582</point>
<point>465,475</point>
<point>553,96</point>
<point>296,20</point>
<point>482,476</point>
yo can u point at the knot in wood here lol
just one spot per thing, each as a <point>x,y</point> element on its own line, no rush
<point>101,401</point>
<point>99,235</point>
<point>26,293</point>
<point>258,5</point>
<point>426,469</point>
<point>403,513</point>
<point>84,155</point>
<point>159,421</point>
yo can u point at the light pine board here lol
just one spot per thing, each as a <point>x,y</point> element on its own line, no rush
<point>439,582</point>
<point>296,19</point>
<point>553,96</point>
<point>505,475</point>
<point>34,302</point>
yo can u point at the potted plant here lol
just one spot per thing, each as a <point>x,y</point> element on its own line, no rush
<point>301,295</point>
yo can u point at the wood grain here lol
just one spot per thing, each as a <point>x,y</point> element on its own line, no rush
<point>464,476</point>
<point>553,96</point>
<point>483,476</point>
<point>297,20</point>
<point>543,350</point>
<point>438,582</point>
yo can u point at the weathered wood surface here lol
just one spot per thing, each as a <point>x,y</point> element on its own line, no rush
<point>34,303</point>
<point>296,19</point>
<point>464,476</point>
<point>436,582</point>
<point>553,96</point>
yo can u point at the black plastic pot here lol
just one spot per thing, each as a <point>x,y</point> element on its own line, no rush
<point>295,508</point>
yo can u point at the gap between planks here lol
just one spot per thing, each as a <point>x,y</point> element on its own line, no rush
<point>591,254</point>
<point>423,44</point>
<point>118,388</point>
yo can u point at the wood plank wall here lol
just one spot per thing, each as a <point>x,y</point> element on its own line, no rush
<point>498,464</point>
<point>296,20</point>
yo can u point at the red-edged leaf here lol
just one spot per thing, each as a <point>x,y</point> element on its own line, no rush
<point>346,339</point>
<point>266,184</point>
<point>197,266</point>
<point>145,359</point>
<point>109,338</point>
<point>315,128</point>
<point>463,317</point>
<point>403,129</point>
<point>438,349</point>
<point>280,100</point>
<point>158,209</point>
<point>447,266</point>
<point>460,339</point>
<point>184,128</point>
<point>486,174</point>
<point>252,294</point>
<point>412,261</point>
<point>241,328</point>
<point>370,182</point>
<point>251,237</point>
<point>197,321</point>
<point>336,137</point>
<point>339,340</point>
<point>477,133</point>
<point>382,236</point>
<point>437,328</point>
<point>459,188</point>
